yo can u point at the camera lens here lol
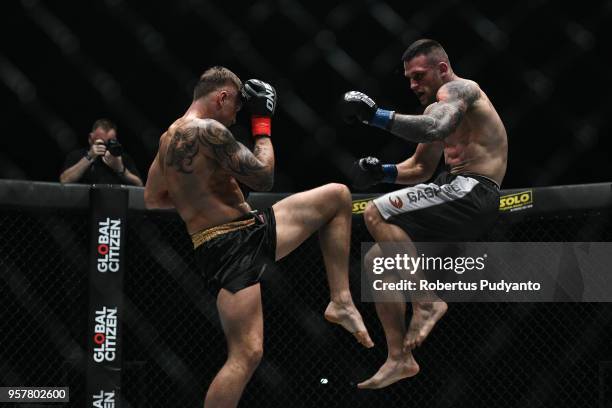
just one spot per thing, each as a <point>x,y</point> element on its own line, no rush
<point>114,147</point>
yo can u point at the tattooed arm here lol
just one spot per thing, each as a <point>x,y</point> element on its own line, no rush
<point>255,169</point>
<point>441,118</point>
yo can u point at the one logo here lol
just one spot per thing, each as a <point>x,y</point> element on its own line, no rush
<point>359,96</point>
<point>104,399</point>
<point>109,242</point>
<point>397,203</point>
<point>269,97</point>
<point>516,201</point>
<point>105,334</point>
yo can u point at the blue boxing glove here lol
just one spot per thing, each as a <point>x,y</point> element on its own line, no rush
<point>357,106</point>
<point>370,171</point>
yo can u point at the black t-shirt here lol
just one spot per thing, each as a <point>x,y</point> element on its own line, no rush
<point>98,172</point>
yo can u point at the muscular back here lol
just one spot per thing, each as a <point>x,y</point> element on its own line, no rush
<point>200,162</point>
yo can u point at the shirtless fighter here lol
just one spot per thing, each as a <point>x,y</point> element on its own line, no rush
<point>459,121</point>
<point>197,170</point>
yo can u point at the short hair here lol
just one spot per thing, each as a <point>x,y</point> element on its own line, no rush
<point>213,79</point>
<point>427,47</point>
<point>104,124</point>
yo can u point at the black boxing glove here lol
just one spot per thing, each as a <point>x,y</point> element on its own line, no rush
<point>357,106</point>
<point>370,171</point>
<point>260,99</point>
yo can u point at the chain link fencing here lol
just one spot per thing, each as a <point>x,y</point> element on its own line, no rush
<point>487,354</point>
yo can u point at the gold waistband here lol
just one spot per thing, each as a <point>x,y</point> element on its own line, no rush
<point>200,237</point>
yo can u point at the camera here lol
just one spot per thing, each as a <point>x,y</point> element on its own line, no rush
<point>114,147</point>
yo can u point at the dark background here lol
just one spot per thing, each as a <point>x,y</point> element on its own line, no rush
<point>64,64</point>
<point>502,355</point>
<point>544,65</point>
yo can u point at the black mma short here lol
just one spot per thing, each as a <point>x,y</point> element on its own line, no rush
<point>235,255</point>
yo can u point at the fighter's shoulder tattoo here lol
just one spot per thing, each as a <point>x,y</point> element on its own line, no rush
<point>462,90</point>
<point>226,150</point>
<point>182,148</point>
<point>215,141</point>
<point>440,119</point>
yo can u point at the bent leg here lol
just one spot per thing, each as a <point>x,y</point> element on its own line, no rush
<point>326,209</point>
<point>242,321</point>
<point>400,363</point>
<point>429,308</point>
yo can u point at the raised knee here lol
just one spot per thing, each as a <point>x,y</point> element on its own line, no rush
<point>371,215</point>
<point>340,192</point>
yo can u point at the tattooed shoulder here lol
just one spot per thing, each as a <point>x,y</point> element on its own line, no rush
<point>229,153</point>
<point>461,90</point>
<point>214,133</point>
<point>182,148</point>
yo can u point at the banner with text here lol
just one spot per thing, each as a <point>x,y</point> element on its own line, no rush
<point>487,271</point>
<point>108,231</point>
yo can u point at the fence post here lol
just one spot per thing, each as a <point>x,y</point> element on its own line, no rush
<point>108,215</point>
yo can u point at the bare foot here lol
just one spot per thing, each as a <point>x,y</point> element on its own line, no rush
<point>347,316</point>
<point>425,315</point>
<point>391,372</point>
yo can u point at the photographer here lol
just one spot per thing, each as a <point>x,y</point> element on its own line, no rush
<point>104,162</point>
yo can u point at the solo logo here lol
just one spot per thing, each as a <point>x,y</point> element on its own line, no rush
<point>104,399</point>
<point>105,334</point>
<point>517,201</point>
<point>359,206</point>
<point>109,240</point>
